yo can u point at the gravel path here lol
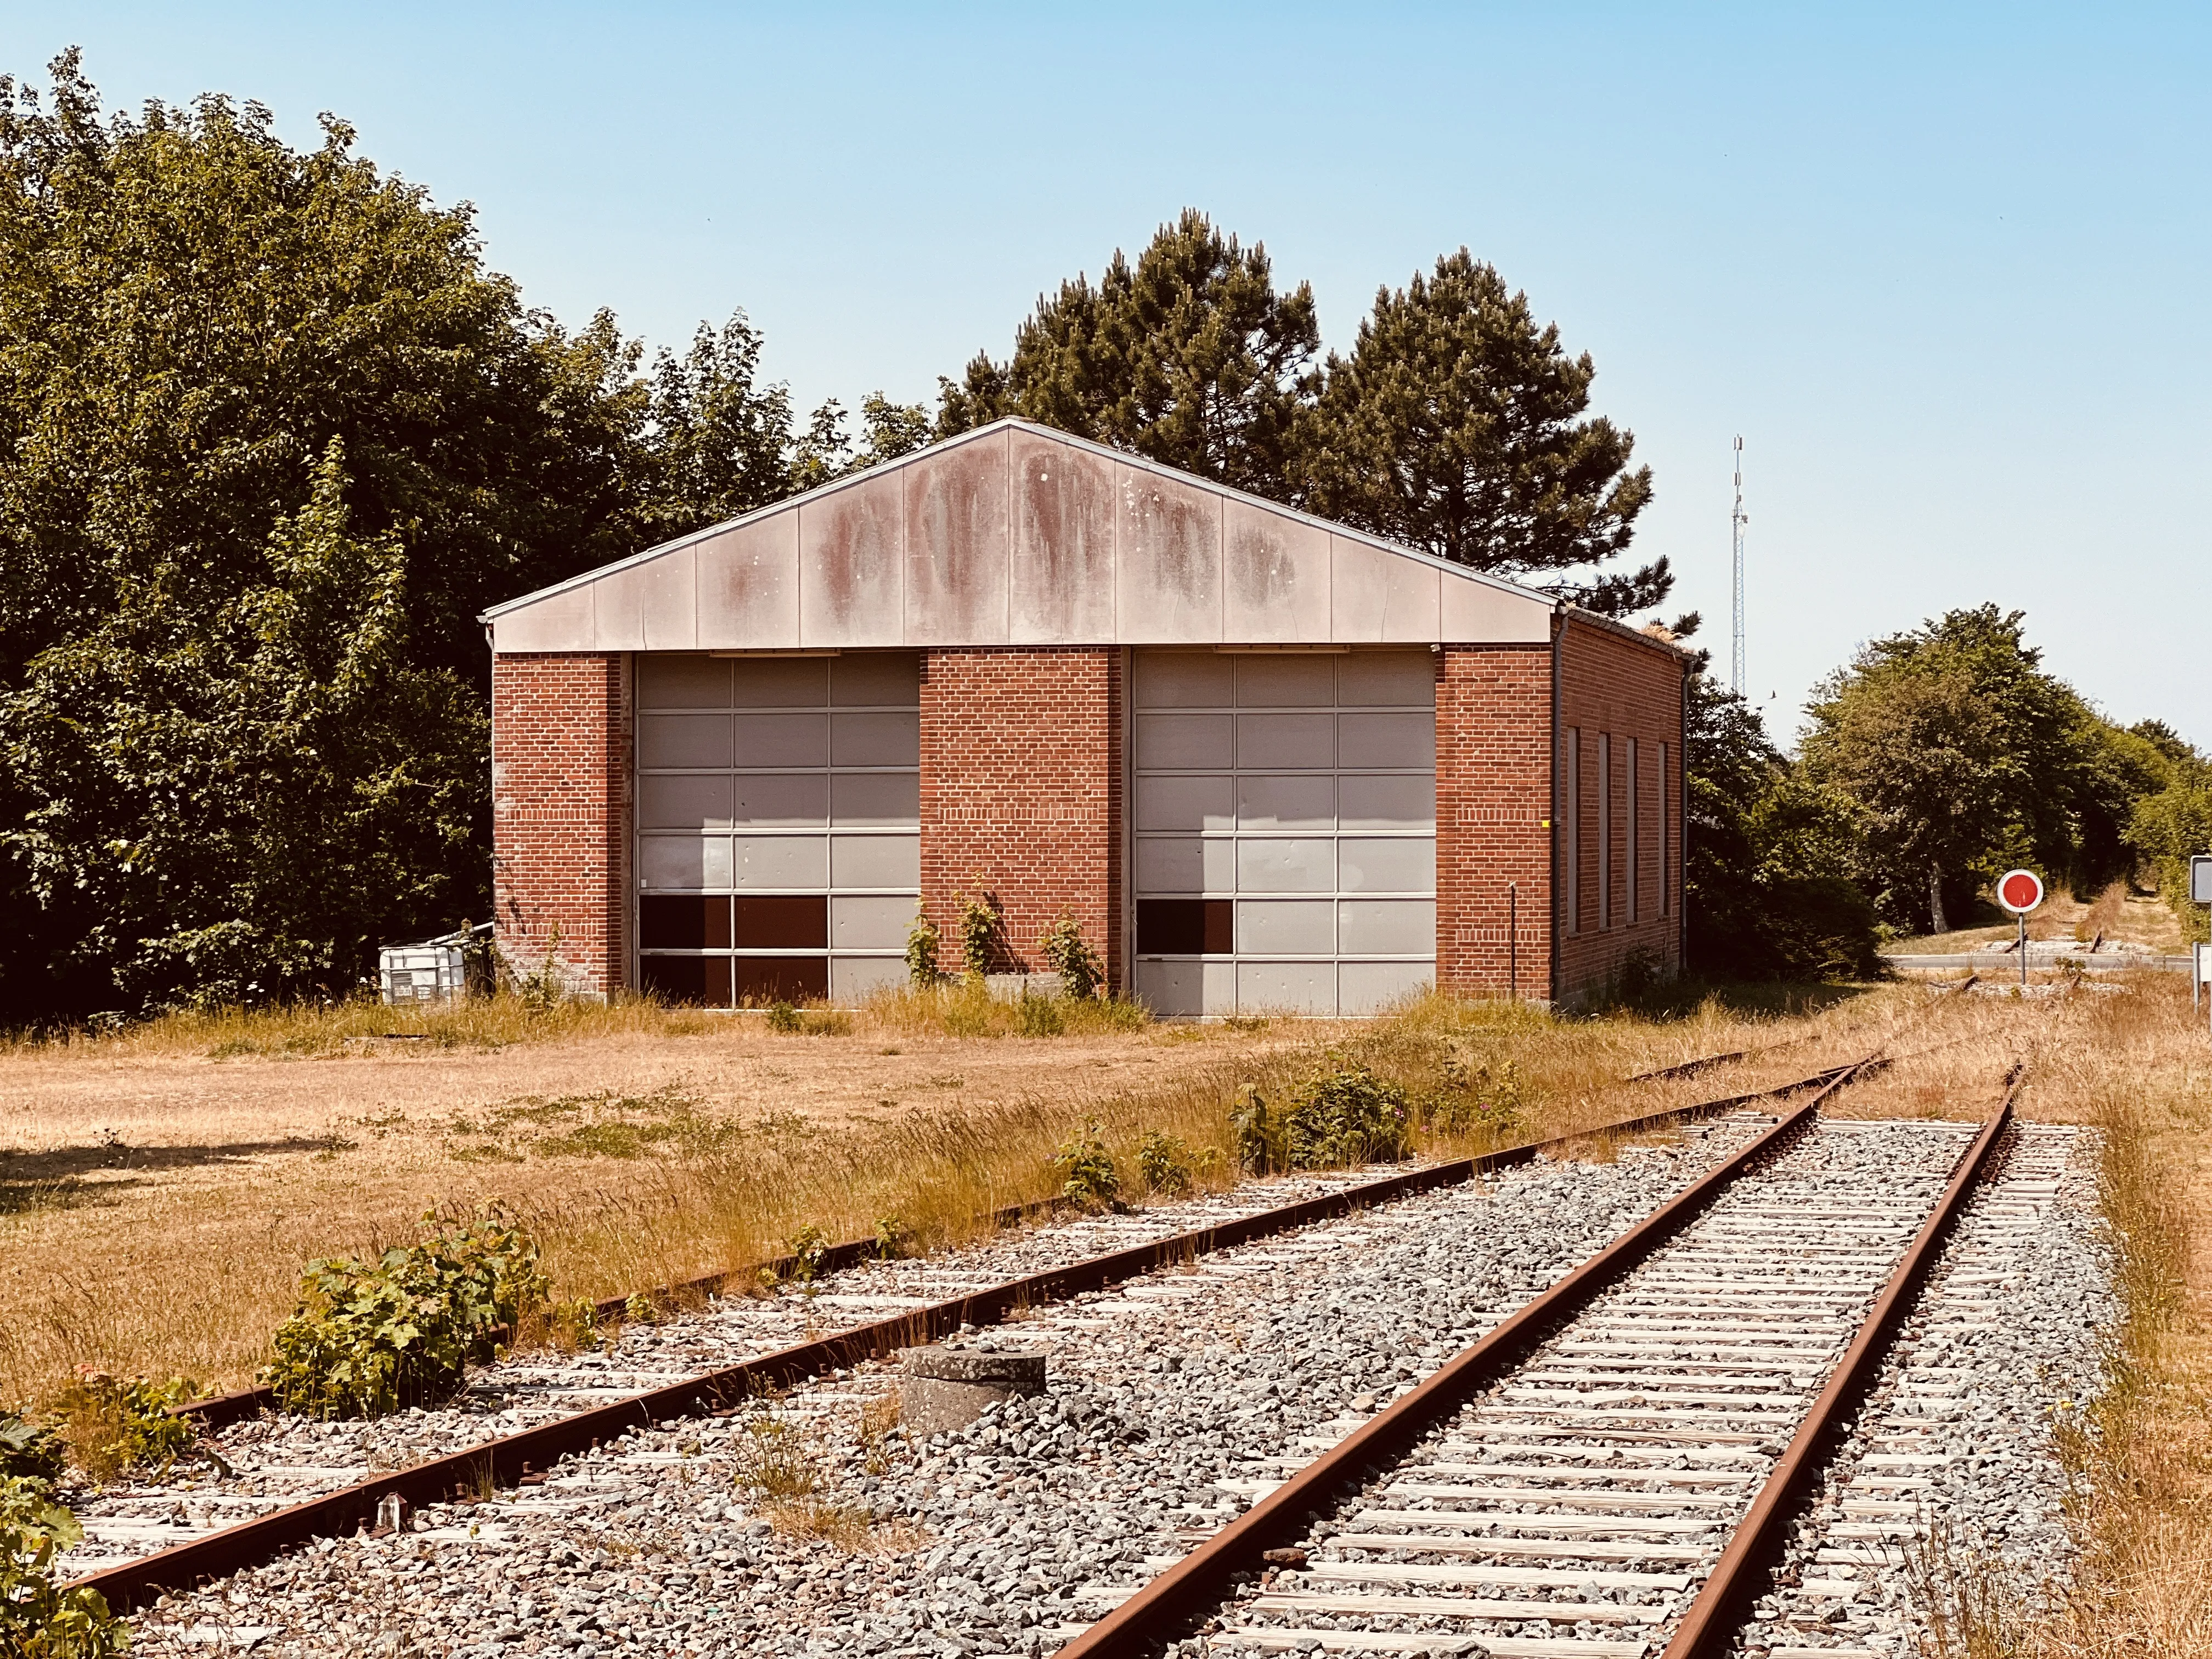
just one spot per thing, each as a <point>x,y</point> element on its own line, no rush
<point>1955,1443</point>
<point>1173,1399</point>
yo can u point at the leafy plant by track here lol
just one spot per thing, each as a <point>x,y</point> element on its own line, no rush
<point>370,1338</point>
<point>40,1619</point>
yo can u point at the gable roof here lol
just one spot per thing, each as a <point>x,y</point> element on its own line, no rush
<point>1015,534</point>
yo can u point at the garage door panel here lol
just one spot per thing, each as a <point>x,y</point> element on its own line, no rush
<point>773,861</point>
<point>852,978</point>
<point>888,679</point>
<point>779,682</point>
<point>1388,740</point>
<point>685,863</point>
<point>675,682</point>
<point>1295,801</point>
<point>1405,864</point>
<point>873,797</point>
<point>1390,801</point>
<point>1370,678</point>
<point>869,921</point>
<point>1191,803</point>
<point>1179,864</point>
<point>770,800</point>
<point>886,738</point>
<point>1292,927</point>
<point>1184,679</point>
<point>1366,987</point>
<point>1297,987</point>
<point>1187,989</point>
<point>876,861</point>
<point>684,740</point>
<point>1305,741</point>
<point>1185,743</point>
<point>782,739</point>
<point>1286,865</point>
<point>685,802</point>
<point>1289,680</point>
<point>1386,928</point>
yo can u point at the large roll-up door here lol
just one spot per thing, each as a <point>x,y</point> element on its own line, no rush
<point>1285,830</point>
<point>778,824</point>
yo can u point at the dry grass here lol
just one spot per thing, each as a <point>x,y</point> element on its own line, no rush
<point>161,1190</point>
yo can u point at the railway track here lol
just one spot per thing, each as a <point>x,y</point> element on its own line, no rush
<point>1609,1473</point>
<point>291,1482</point>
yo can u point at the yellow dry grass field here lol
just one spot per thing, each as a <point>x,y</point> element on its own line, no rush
<point>161,1190</point>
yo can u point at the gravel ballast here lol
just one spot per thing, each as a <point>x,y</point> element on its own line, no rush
<point>809,1525</point>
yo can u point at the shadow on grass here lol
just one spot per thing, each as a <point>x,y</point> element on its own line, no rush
<point>66,1164</point>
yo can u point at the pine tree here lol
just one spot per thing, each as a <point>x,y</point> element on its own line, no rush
<point>1456,425</point>
<point>1190,357</point>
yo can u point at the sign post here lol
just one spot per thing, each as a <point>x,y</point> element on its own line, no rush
<point>2200,892</point>
<point>2021,891</point>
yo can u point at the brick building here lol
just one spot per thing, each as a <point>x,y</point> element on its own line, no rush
<point>1264,761</point>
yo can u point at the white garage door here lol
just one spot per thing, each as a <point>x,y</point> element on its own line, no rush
<point>1284,825</point>
<point>778,824</point>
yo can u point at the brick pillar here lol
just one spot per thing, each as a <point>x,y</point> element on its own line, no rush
<point>1021,784</point>
<point>560,772</point>
<point>1494,792</point>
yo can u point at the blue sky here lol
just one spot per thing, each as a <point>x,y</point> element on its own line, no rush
<point>1943,267</point>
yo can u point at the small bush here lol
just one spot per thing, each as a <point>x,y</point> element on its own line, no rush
<point>1478,1102</point>
<point>1346,1115</point>
<point>808,1246</point>
<point>782,1016</point>
<point>1166,1163</point>
<point>39,1618</point>
<point>893,1239</point>
<point>1086,1170</point>
<point>371,1337</point>
<point>1037,1017</point>
<point>922,945</point>
<point>1068,954</point>
<point>776,1460</point>
<point>114,1424</point>
<point>979,931</point>
<point>29,1451</point>
<point>826,1022</point>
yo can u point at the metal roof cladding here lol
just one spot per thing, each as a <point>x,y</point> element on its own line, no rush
<point>1015,534</point>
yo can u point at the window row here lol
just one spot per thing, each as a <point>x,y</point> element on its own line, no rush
<point>1298,987</point>
<point>755,981</point>
<point>1286,927</point>
<point>888,679</point>
<point>1202,679</point>
<point>1279,864</point>
<point>808,922</point>
<point>1287,743</point>
<point>694,800</point>
<point>1255,800</point>
<point>768,862</point>
<point>719,742</point>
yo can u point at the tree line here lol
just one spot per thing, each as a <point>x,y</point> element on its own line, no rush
<point>273,434</point>
<point>1933,761</point>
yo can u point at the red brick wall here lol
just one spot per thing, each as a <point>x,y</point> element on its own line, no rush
<point>560,814</point>
<point>1612,685</point>
<point>1493,793</point>
<point>1021,784</point>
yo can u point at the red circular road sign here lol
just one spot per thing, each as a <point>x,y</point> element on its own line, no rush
<point>2019,891</point>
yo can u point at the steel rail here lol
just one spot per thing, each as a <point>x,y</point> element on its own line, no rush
<point>1182,1597</point>
<point>505,1460</point>
<point>1710,1626</point>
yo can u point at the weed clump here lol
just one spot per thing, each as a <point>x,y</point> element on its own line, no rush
<point>114,1424</point>
<point>1340,1116</point>
<point>979,931</point>
<point>371,1337</point>
<point>1086,1170</point>
<point>1038,1016</point>
<point>29,1451</point>
<point>1477,1100</point>
<point>1165,1162</point>
<point>784,1018</point>
<point>922,945</point>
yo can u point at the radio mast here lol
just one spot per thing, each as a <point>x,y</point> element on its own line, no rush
<point>1736,522</point>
